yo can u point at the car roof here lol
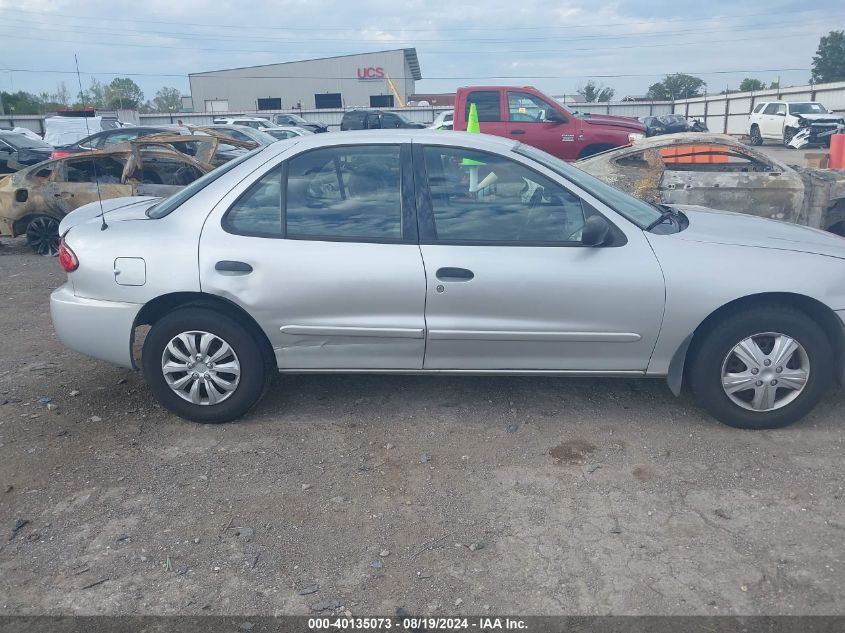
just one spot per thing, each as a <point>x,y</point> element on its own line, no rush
<point>407,135</point>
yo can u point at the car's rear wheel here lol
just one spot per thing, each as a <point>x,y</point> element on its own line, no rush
<point>756,136</point>
<point>203,366</point>
<point>42,235</point>
<point>762,368</point>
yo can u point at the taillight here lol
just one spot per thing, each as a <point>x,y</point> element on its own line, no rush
<point>58,154</point>
<point>67,258</point>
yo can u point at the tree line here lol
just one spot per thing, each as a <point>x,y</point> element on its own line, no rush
<point>828,65</point>
<point>122,93</point>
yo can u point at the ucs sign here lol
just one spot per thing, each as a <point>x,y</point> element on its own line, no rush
<point>371,73</point>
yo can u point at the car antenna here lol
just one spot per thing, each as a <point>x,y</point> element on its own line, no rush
<point>103,225</point>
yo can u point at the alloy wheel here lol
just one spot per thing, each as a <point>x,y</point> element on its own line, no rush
<point>42,235</point>
<point>765,371</point>
<point>201,367</point>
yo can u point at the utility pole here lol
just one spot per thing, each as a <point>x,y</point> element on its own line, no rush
<point>2,111</point>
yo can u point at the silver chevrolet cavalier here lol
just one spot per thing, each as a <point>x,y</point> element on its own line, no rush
<point>413,251</point>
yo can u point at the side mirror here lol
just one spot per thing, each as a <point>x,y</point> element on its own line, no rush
<point>780,113</point>
<point>553,116</point>
<point>595,232</point>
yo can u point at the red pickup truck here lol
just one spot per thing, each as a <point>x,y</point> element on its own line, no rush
<point>527,115</point>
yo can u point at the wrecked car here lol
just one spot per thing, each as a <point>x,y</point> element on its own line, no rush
<point>18,151</point>
<point>34,200</point>
<point>717,171</point>
<point>782,121</point>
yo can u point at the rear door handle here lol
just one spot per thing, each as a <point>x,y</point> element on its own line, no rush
<point>226,266</point>
<point>454,274</point>
<point>517,131</point>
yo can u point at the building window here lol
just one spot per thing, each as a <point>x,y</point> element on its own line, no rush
<point>270,103</point>
<point>381,101</point>
<point>328,100</point>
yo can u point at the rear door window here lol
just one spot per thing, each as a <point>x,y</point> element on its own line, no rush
<point>347,193</point>
<point>487,103</point>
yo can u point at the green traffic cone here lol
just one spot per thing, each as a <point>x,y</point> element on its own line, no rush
<point>472,126</point>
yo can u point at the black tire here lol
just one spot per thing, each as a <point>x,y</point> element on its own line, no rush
<point>254,375</point>
<point>42,235</point>
<point>711,348</point>
<point>756,137</point>
<point>788,133</point>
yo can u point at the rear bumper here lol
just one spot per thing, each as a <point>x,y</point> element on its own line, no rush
<point>101,329</point>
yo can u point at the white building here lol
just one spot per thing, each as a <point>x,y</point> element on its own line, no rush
<point>331,82</point>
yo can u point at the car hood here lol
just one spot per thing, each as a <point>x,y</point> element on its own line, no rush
<point>627,123</point>
<point>819,117</point>
<point>727,227</point>
<point>114,210</point>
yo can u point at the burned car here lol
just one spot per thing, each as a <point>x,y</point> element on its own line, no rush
<point>34,200</point>
<point>717,171</point>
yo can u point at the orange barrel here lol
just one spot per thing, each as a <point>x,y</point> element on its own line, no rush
<point>837,152</point>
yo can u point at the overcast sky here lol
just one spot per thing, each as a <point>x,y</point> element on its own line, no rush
<point>555,45</point>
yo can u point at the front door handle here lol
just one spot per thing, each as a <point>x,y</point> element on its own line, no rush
<point>454,274</point>
<point>226,266</point>
<point>517,131</point>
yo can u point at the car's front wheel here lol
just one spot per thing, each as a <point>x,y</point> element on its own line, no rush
<point>788,133</point>
<point>203,365</point>
<point>762,368</point>
<point>756,136</point>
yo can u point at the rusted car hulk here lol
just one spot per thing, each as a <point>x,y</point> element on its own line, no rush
<point>719,172</point>
<point>34,200</point>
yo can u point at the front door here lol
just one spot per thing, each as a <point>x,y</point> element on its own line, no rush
<point>527,124</point>
<point>771,123</point>
<point>322,251</point>
<point>510,287</point>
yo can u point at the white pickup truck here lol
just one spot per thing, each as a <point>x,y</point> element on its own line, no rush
<point>781,121</point>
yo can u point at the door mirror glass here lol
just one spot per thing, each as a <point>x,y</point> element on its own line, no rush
<point>553,116</point>
<point>596,231</point>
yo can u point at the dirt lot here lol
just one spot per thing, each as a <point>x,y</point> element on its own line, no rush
<point>439,495</point>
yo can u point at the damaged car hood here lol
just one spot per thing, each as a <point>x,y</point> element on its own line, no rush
<point>114,210</point>
<point>738,229</point>
<point>627,123</point>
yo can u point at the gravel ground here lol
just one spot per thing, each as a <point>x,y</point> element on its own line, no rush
<point>365,494</point>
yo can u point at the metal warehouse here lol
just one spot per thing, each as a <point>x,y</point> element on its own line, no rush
<point>362,80</point>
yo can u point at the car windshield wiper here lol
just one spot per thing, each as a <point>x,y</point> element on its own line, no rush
<point>666,213</point>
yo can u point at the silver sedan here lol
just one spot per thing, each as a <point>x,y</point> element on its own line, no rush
<point>420,252</point>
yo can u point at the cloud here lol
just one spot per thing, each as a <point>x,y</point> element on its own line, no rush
<point>568,41</point>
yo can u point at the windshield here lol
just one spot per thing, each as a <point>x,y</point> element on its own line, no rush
<point>640,213</point>
<point>261,137</point>
<point>807,108</point>
<point>402,117</point>
<point>163,208</point>
<point>20,141</point>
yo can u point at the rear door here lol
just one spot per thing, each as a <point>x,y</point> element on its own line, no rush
<point>526,122</point>
<point>492,117</point>
<point>79,181</point>
<point>772,119</point>
<point>322,250</point>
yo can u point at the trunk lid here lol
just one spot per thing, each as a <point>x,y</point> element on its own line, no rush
<point>114,210</point>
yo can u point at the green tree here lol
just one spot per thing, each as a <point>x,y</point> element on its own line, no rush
<point>677,86</point>
<point>123,93</point>
<point>748,84</point>
<point>774,85</point>
<point>829,60</point>
<point>21,103</point>
<point>596,92</point>
<point>168,100</point>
